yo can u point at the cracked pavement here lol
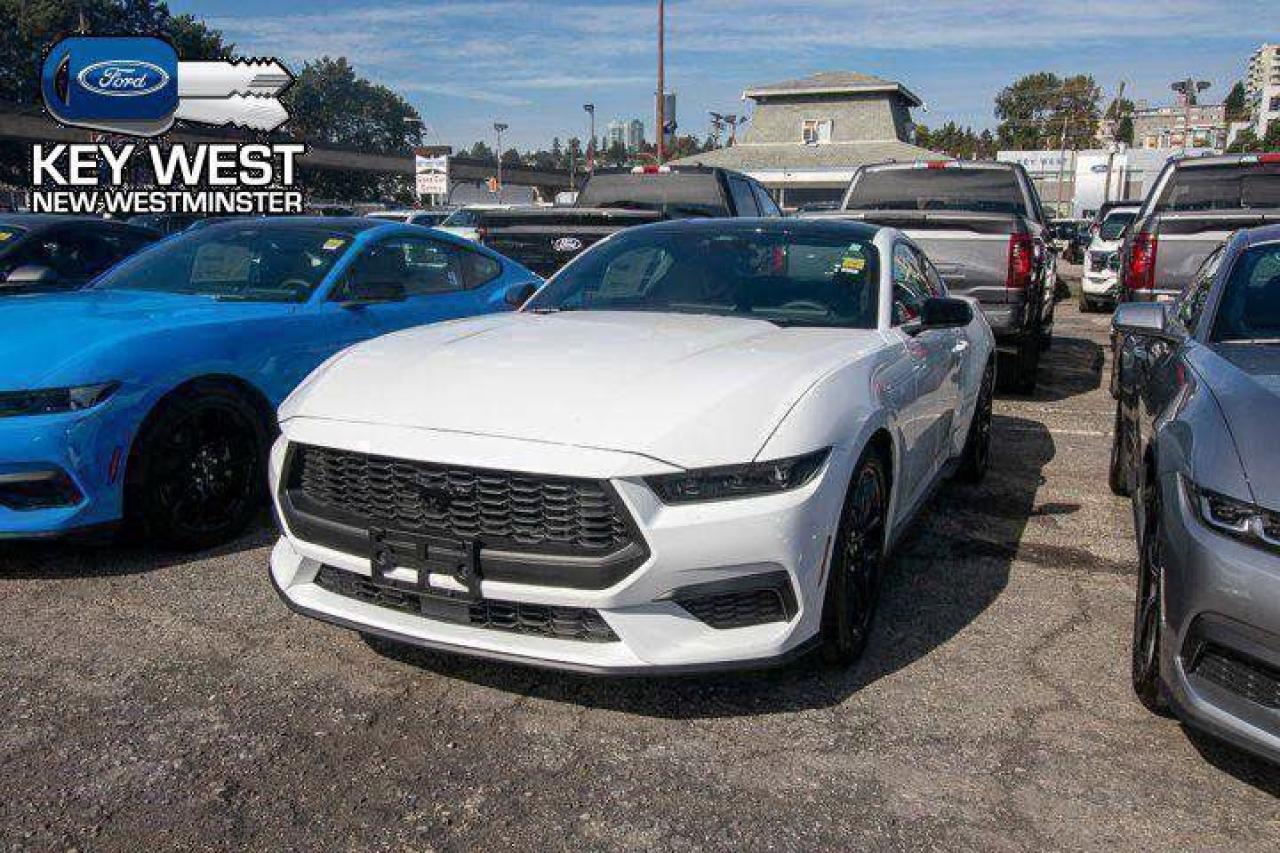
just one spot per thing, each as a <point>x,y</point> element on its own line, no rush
<point>154,700</point>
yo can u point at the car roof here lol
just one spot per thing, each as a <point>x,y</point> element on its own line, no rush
<point>1262,234</point>
<point>772,225</point>
<point>342,224</point>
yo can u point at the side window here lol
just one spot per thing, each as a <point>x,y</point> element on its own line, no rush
<point>744,201</point>
<point>910,285</point>
<point>477,269</point>
<point>768,207</point>
<point>1191,303</point>
<point>74,256</point>
<point>424,267</point>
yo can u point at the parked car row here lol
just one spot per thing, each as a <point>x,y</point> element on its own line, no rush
<point>1197,338</point>
<point>693,447</point>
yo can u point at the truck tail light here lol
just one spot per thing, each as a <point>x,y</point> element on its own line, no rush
<point>1021,262</point>
<point>1140,273</point>
<point>651,169</point>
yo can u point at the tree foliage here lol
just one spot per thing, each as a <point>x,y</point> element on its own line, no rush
<point>1041,110</point>
<point>960,142</point>
<point>1237,109</point>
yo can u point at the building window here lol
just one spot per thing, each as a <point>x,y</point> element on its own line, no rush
<point>816,131</point>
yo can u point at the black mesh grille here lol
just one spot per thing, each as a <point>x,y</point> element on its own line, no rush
<point>1251,679</point>
<point>565,623</point>
<point>556,515</point>
<point>737,609</point>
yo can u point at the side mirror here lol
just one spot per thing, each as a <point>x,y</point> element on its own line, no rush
<point>1149,319</point>
<point>945,312</point>
<point>373,292</point>
<point>520,294</point>
<point>29,274</point>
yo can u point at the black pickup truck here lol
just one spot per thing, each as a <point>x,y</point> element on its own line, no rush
<point>544,239</point>
<point>982,225</point>
<point>1195,205</point>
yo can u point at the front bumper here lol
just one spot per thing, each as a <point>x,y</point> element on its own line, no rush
<point>87,450</point>
<point>1100,286</point>
<point>728,545</point>
<point>1220,655</point>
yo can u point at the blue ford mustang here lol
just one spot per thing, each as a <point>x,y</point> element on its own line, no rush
<point>149,397</point>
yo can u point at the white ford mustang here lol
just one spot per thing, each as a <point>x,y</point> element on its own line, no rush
<point>693,448</point>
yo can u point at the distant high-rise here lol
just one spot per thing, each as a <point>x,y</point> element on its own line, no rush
<point>635,135</point>
<point>615,134</point>
<point>669,117</point>
<point>1262,88</point>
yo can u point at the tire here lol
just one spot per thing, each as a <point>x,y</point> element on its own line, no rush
<point>1148,614</point>
<point>1117,472</point>
<point>853,584</point>
<point>197,473</point>
<point>1028,364</point>
<point>977,444</point>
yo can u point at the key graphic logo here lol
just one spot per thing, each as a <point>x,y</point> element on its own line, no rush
<point>136,85</point>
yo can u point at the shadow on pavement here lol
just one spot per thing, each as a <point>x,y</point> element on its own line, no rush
<point>107,554</point>
<point>1230,759</point>
<point>940,579</point>
<point>1072,367</point>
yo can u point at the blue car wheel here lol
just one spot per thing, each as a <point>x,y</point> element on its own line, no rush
<point>197,472</point>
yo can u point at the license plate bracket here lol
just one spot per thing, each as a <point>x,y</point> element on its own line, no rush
<point>427,555</point>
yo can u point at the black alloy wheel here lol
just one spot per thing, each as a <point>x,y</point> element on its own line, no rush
<point>1148,613</point>
<point>853,584</point>
<point>977,444</point>
<point>200,469</point>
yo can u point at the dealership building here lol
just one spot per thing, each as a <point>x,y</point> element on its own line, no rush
<point>806,137</point>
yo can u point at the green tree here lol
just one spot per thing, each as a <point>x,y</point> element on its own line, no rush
<point>331,105</point>
<point>1042,110</point>
<point>1237,110</point>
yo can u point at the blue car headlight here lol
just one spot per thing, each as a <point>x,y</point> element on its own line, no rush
<point>52,401</point>
<point>738,481</point>
<point>1236,518</point>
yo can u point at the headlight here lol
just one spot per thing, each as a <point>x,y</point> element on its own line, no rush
<point>1236,518</point>
<point>738,481</point>
<point>51,401</point>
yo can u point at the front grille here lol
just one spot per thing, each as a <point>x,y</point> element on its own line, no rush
<point>1251,679</point>
<point>564,623</point>
<point>500,509</point>
<point>1098,261</point>
<point>537,252</point>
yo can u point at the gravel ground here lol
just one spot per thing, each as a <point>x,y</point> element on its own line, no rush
<point>152,700</point>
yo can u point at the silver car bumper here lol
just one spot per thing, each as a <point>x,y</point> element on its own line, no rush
<point>1220,653</point>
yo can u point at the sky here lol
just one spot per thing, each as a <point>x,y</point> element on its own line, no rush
<point>532,64</point>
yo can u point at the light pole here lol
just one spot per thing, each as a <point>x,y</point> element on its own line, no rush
<point>499,127</point>
<point>591,140</point>
<point>662,83</point>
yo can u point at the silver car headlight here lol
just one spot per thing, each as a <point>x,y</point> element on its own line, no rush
<point>738,481</point>
<point>1236,518</point>
<point>51,401</point>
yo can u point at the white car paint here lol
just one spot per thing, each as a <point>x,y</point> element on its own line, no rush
<point>620,396</point>
<point>1101,283</point>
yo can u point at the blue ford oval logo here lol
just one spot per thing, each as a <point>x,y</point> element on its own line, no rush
<point>122,78</point>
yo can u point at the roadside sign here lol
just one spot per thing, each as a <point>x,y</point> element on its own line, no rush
<point>431,175</point>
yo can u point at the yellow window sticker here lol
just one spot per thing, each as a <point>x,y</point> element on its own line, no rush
<point>5,235</point>
<point>334,243</point>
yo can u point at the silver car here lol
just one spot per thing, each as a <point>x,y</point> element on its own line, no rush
<point>1197,446</point>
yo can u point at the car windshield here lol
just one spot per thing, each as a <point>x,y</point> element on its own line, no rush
<point>979,190</point>
<point>786,278</point>
<point>10,237</point>
<point>674,194</point>
<point>462,219</point>
<point>258,262</point>
<point>1250,308</point>
<point>1113,226</point>
<point>1228,187</point>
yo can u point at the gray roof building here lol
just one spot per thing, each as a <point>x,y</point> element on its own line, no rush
<point>807,136</point>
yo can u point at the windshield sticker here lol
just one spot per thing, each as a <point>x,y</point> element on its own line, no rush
<point>334,243</point>
<point>5,235</point>
<point>853,261</point>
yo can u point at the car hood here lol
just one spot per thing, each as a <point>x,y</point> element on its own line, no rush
<point>688,390</point>
<point>40,335</point>
<point>1245,379</point>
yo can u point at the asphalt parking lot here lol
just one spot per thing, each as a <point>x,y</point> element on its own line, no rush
<point>155,700</point>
